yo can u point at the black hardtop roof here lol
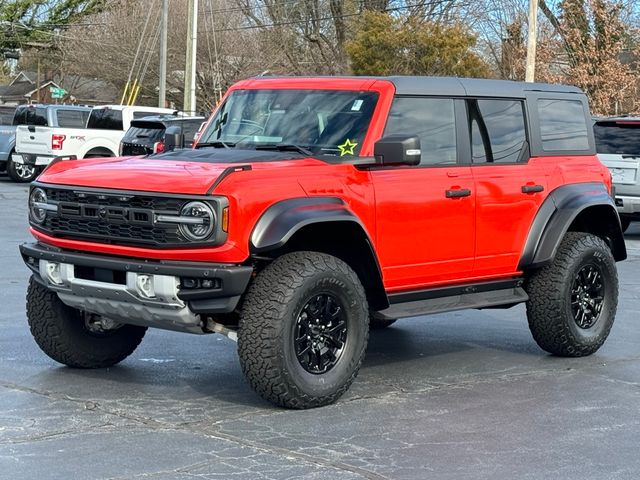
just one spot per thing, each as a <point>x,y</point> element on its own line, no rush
<point>475,87</point>
<point>455,86</point>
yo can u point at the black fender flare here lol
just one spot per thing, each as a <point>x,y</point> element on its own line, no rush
<point>283,219</point>
<point>556,214</point>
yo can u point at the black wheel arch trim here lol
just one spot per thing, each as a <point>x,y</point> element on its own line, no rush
<point>283,219</point>
<point>556,214</point>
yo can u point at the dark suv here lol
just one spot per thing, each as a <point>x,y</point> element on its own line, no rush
<point>147,135</point>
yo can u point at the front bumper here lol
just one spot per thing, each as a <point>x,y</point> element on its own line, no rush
<point>32,159</point>
<point>628,205</point>
<point>148,293</point>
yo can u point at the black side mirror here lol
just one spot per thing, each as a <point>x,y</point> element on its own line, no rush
<point>173,138</point>
<point>397,150</point>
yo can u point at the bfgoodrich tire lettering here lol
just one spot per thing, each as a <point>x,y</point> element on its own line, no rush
<point>61,333</point>
<point>268,322</point>
<point>551,315</point>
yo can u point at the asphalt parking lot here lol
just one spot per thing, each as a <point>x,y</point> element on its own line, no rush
<point>466,395</point>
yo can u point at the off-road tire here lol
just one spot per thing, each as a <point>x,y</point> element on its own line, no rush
<point>549,312</point>
<point>15,175</point>
<point>378,323</point>
<point>268,320</point>
<point>60,332</point>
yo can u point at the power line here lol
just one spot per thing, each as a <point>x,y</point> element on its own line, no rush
<point>330,17</point>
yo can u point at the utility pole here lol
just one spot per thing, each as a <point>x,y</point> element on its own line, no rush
<point>531,41</point>
<point>38,82</point>
<point>190,67</point>
<point>162,90</point>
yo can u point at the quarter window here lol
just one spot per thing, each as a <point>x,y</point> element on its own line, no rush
<point>430,119</point>
<point>498,133</point>
<point>563,126</point>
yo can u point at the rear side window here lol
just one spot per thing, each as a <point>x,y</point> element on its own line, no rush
<point>30,115</point>
<point>563,125</point>
<point>72,118</point>
<point>621,138</point>
<point>144,135</point>
<point>20,116</point>
<point>430,119</point>
<point>39,117</point>
<point>498,133</point>
<point>105,119</point>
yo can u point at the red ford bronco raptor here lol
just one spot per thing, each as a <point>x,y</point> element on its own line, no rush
<point>314,209</point>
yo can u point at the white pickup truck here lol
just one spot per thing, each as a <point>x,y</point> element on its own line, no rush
<point>36,145</point>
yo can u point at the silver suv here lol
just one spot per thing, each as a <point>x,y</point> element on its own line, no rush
<point>618,147</point>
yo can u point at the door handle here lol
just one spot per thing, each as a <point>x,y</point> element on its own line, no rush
<point>457,193</point>
<point>532,188</point>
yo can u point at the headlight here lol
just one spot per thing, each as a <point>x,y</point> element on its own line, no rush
<point>38,205</point>
<point>197,221</point>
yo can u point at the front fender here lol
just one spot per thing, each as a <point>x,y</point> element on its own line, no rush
<point>283,219</point>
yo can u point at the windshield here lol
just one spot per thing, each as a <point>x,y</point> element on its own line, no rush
<point>326,122</point>
<point>618,137</point>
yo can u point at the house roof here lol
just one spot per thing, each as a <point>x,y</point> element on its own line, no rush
<point>88,89</point>
<point>25,76</point>
<point>21,89</point>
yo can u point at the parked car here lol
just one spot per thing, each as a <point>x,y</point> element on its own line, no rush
<point>313,209</point>
<point>147,135</point>
<point>618,147</point>
<point>29,116</point>
<point>100,136</point>
<point>7,135</point>
<point>6,115</point>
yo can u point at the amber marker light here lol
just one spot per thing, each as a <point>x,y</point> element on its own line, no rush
<point>225,219</point>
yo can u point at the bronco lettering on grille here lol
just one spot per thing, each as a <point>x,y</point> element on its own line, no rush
<point>106,213</point>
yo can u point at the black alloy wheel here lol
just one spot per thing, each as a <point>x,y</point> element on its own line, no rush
<point>587,296</point>
<point>320,333</point>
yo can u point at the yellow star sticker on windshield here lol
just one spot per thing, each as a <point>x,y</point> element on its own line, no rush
<point>347,147</point>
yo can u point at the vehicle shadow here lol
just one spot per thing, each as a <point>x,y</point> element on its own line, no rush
<point>439,345</point>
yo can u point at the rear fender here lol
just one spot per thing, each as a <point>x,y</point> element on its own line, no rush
<point>582,207</point>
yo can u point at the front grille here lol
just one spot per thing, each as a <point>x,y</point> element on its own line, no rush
<point>115,218</point>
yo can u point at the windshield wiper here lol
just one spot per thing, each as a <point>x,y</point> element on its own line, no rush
<point>286,147</point>
<point>216,144</point>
